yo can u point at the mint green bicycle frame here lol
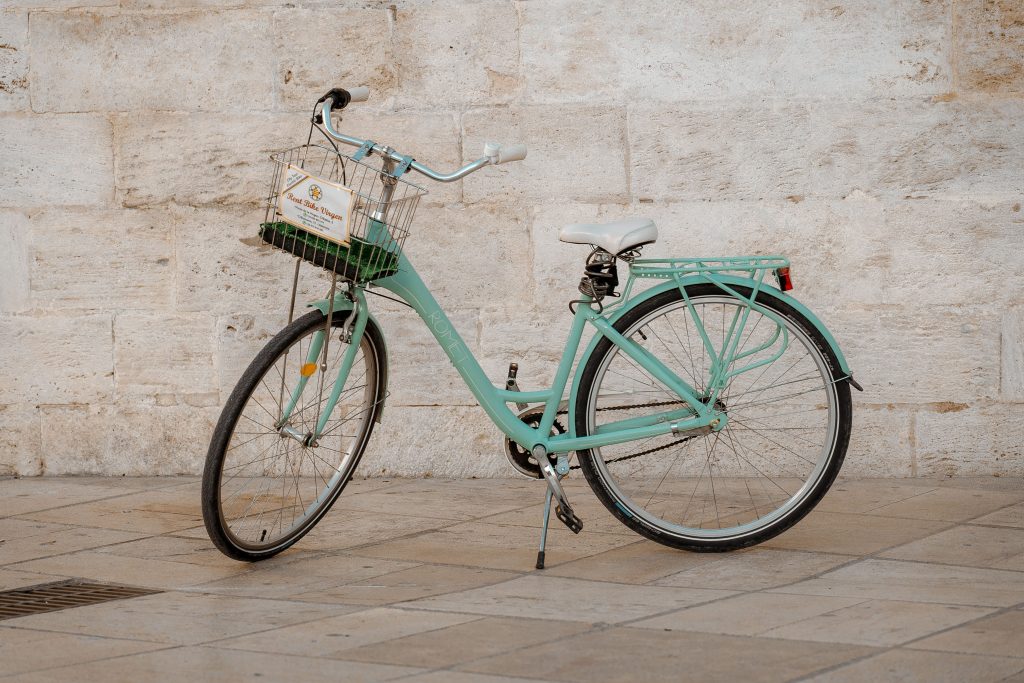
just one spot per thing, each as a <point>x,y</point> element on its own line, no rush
<point>731,275</point>
<point>698,411</point>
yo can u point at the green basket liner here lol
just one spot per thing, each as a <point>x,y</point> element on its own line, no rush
<point>359,260</point>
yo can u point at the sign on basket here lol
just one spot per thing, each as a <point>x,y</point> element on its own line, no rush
<point>317,205</point>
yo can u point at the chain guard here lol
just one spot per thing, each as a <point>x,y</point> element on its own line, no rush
<point>524,463</point>
<point>521,459</point>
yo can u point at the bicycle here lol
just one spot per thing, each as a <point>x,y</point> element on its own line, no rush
<point>710,411</point>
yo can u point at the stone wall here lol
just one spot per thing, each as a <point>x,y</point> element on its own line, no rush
<point>878,143</point>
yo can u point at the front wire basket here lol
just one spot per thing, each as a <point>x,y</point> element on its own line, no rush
<point>377,228</point>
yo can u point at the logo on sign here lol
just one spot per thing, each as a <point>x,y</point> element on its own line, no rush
<point>315,192</point>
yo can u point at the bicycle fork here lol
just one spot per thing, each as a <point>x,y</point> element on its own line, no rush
<point>352,335</point>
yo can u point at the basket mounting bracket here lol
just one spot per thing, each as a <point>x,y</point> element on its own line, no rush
<point>363,150</point>
<point>402,167</point>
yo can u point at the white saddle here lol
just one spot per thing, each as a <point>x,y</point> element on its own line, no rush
<point>614,237</point>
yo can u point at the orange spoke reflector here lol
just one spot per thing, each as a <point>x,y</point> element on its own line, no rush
<point>308,369</point>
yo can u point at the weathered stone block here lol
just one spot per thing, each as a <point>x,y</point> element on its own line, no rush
<point>20,431</point>
<point>223,267</point>
<point>13,61</point>
<point>941,149</point>
<point>575,153</point>
<point>989,45</point>
<point>358,52</point>
<point>472,256</point>
<point>56,359</point>
<point>440,441</point>
<point>199,4</point>
<point>178,61</point>
<point>716,151</point>
<point>240,337</point>
<point>916,148</point>
<point>980,440</point>
<point>709,50</point>
<point>909,355</point>
<point>534,339</point>
<point>14,261</point>
<point>880,443</point>
<point>56,160</point>
<point>159,353</point>
<point>102,259</point>
<point>126,439</point>
<point>1011,378</point>
<point>225,159</point>
<point>468,55</point>
<point>952,252</point>
<point>217,158</point>
<point>419,372</point>
<point>58,4</point>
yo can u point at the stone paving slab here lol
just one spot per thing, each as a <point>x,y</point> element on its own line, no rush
<point>978,546</point>
<point>749,614</point>
<point>627,655</point>
<point>878,623</point>
<point>919,582</point>
<point>556,597</point>
<point>1002,634</point>
<point>432,581</point>
<point>755,568</point>
<point>20,648</point>
<point>849,534</point>
<point>925,667</point>
<point>191,664</point>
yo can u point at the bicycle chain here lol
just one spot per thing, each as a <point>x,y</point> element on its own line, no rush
<point>641,453</point>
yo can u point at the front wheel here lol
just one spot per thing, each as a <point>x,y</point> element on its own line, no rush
<point>786,436</point>
<point>263,488</point>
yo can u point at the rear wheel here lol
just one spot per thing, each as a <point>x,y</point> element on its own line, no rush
<point>262,489</point>
<point>787,431</point>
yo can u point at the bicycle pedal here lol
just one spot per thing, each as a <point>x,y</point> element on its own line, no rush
<point>567,517</point>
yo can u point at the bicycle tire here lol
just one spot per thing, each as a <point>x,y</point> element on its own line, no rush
<point>615,495</point>
<point>218,525</point>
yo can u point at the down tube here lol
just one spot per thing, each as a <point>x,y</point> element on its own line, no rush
<point>407,284</point>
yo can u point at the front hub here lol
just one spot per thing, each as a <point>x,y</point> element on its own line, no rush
<point>305,439</point>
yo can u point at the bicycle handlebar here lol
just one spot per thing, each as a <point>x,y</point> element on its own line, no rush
<point>494,153</point>
<point>360,94</point>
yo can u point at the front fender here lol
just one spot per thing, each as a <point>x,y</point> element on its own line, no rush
<point>844,368</point>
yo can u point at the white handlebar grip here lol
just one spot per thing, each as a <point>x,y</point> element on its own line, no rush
<point>360,94</point>
<point>511,153</point>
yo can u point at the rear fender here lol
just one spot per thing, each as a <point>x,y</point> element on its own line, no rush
<point>841,372</point>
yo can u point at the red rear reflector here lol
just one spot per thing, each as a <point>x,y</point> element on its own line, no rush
<point>785,282</point>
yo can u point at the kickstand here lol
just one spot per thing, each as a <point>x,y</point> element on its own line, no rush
<point>544,530</point>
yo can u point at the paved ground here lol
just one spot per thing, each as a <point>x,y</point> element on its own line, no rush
<point>432,581</point>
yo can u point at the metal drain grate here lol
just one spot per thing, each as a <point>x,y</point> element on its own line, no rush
<point>50,597</point>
